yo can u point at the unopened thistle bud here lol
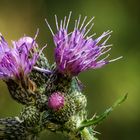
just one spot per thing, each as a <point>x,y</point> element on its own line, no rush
<point>56,101</point>
<point>30,116</point>
<point>13,129</point>
<point>61,107</point>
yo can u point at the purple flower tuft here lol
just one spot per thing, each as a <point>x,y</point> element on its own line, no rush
<point>17,61</point>
<point>75,51</point>
<point>56,101</point>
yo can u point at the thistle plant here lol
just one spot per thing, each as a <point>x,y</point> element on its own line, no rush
<point>52,95</point>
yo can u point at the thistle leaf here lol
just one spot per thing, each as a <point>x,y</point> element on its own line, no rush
<point>98,119</point>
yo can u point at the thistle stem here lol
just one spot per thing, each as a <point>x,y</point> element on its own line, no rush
<point>86,135</point>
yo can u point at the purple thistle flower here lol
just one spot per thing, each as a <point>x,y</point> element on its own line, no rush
<point>75,51</point>
<point>17,61</point>
<point>56,101</point>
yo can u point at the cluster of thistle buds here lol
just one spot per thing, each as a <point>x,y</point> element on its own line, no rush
<point>51,95</point>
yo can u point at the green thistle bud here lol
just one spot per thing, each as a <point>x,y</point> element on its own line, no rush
<point>80,100</point>
<point>61,107</point>
<point>30,116</point>
<point>13,129</point>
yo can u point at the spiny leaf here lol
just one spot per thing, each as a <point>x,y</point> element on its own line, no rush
<point>98,119</point>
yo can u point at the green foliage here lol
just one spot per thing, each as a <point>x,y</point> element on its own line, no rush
<point>98,119</point>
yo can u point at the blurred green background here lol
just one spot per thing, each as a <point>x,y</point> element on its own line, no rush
<point>103,86</point>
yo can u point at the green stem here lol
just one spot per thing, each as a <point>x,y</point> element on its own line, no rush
<point>86,135</point>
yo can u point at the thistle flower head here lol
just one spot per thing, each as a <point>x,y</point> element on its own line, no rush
<point>56,101</point>
<point>75,51</point>
<point>17,61</point>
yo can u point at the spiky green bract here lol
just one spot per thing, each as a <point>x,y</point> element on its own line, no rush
<point>41,101</point>
<point>30,115</point>
<point>12,129</point>
<point>22,91</point>
<point>40,78</point>
<point>24,127</point>
<point>58,82</point>
<point>20,128</point>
